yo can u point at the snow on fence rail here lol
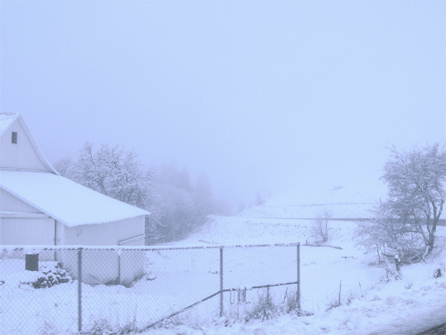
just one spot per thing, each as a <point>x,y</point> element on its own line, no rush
<point>80,288</point>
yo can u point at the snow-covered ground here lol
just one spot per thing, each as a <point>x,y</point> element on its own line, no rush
<point>177,278</point>
<point>407,306</point>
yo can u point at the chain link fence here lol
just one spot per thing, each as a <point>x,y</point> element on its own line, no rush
<point>46,290</point>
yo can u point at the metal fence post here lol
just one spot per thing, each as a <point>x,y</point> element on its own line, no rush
<point>79,290</point>
<point>221,281</point>
<point>340,285</point>
<point>298,276</point>
<point>118,281</point>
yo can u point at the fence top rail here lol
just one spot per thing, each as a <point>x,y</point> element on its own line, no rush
<point>33,249</point>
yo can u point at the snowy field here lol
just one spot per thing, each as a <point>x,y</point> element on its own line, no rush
<point>407,306</point>
<point>178,278</point>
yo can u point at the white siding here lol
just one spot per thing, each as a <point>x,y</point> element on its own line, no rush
<point>9,203</point>
<point>60,234</point>
<point>23,230</point>
<point>16,231</point>
<point>21,155</point>
<point>105,234</point>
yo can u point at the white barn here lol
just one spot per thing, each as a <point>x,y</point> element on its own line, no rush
<point>40,207</point>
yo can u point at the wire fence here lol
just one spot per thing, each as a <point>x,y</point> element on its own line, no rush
<point>85,290</point>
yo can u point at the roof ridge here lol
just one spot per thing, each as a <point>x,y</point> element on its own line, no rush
<point>7,120</point>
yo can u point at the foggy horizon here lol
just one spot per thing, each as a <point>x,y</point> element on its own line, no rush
<point>289,97</point>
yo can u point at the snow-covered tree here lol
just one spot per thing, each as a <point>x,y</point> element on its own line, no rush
<point>407,221</point>
<point>115,172</point>
<point>389,235</point>
<point>417,191</point>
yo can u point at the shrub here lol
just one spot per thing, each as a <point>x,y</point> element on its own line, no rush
<point>104,327</point>
<point>263,309</point>
<point>50,276</point>
<point>267,306</point>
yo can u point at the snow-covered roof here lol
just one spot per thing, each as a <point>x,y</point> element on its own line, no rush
<point>6,120</point>
<point>64,200</point>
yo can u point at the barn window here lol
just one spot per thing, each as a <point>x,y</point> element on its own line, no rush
<point>14,137</point>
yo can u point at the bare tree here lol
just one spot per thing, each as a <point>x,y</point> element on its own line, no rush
<point>320,225</point>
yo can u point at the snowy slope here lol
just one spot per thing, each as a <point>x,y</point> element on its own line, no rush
<point>407,306</point>
<point>348,201</point>
<point>341,201</point>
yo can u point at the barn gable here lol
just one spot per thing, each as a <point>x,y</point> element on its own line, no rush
<point>18,149</point>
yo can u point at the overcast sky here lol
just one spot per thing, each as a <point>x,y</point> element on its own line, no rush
<point>271,95</point>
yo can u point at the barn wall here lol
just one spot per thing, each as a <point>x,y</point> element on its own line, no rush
<point>26,231</point>
<point>105,234</point>
<point>23,230</point>
<point>10,203</point>
<point>21,155</point>
<point>60,233</point>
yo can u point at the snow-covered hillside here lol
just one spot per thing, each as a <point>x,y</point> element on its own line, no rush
<point>376,306</point>
<point>342,202</point>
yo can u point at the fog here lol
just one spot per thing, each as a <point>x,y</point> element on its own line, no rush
<point>288,97</point>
